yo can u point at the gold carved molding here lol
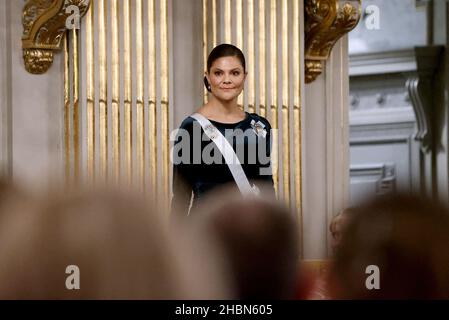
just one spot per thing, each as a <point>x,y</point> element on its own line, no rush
<point>326,21</point>
<point>44,27</point>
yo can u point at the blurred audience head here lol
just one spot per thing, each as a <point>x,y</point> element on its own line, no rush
<point>260,242</point>
<point>9,195</point>
<point>117,241</point>
<point>337,226</point>
<point>393,248</point>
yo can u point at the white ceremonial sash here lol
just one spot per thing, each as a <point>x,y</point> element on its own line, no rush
<point>229,155</point>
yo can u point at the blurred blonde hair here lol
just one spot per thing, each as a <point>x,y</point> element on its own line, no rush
<point>118,241</point>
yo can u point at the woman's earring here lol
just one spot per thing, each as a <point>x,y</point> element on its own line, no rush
<point>208,88</point>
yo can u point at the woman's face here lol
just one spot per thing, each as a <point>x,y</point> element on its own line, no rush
<point>226,78</point>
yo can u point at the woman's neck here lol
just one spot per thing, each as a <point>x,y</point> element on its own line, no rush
<point>224,107</point>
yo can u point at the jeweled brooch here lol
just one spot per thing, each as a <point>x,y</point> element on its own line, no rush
<point>259,128</point>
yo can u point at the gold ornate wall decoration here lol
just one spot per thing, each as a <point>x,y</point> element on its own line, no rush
<point>326,21</point>
<point>44,27</point>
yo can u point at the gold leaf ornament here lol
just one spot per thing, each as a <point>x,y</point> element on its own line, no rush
<point>326,21</point>
<point>44,27</point>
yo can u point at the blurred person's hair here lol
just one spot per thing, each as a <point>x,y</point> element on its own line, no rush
<point>13,199</point>
<point>260,240</point>
<point>407,238</point>
<point>118,242</point>
<point>8,192</point>
<point>338,224</point>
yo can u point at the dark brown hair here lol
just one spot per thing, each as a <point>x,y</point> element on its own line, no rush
<point>260,242</point>
<point>407,238</point>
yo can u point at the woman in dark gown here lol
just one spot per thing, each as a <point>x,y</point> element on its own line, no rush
<point>198,165</point>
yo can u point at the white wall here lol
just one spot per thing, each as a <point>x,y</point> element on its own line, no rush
<point>35,103</point>
<point>187,58</point>
<point>325,152</point>
<point>5,104</point>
